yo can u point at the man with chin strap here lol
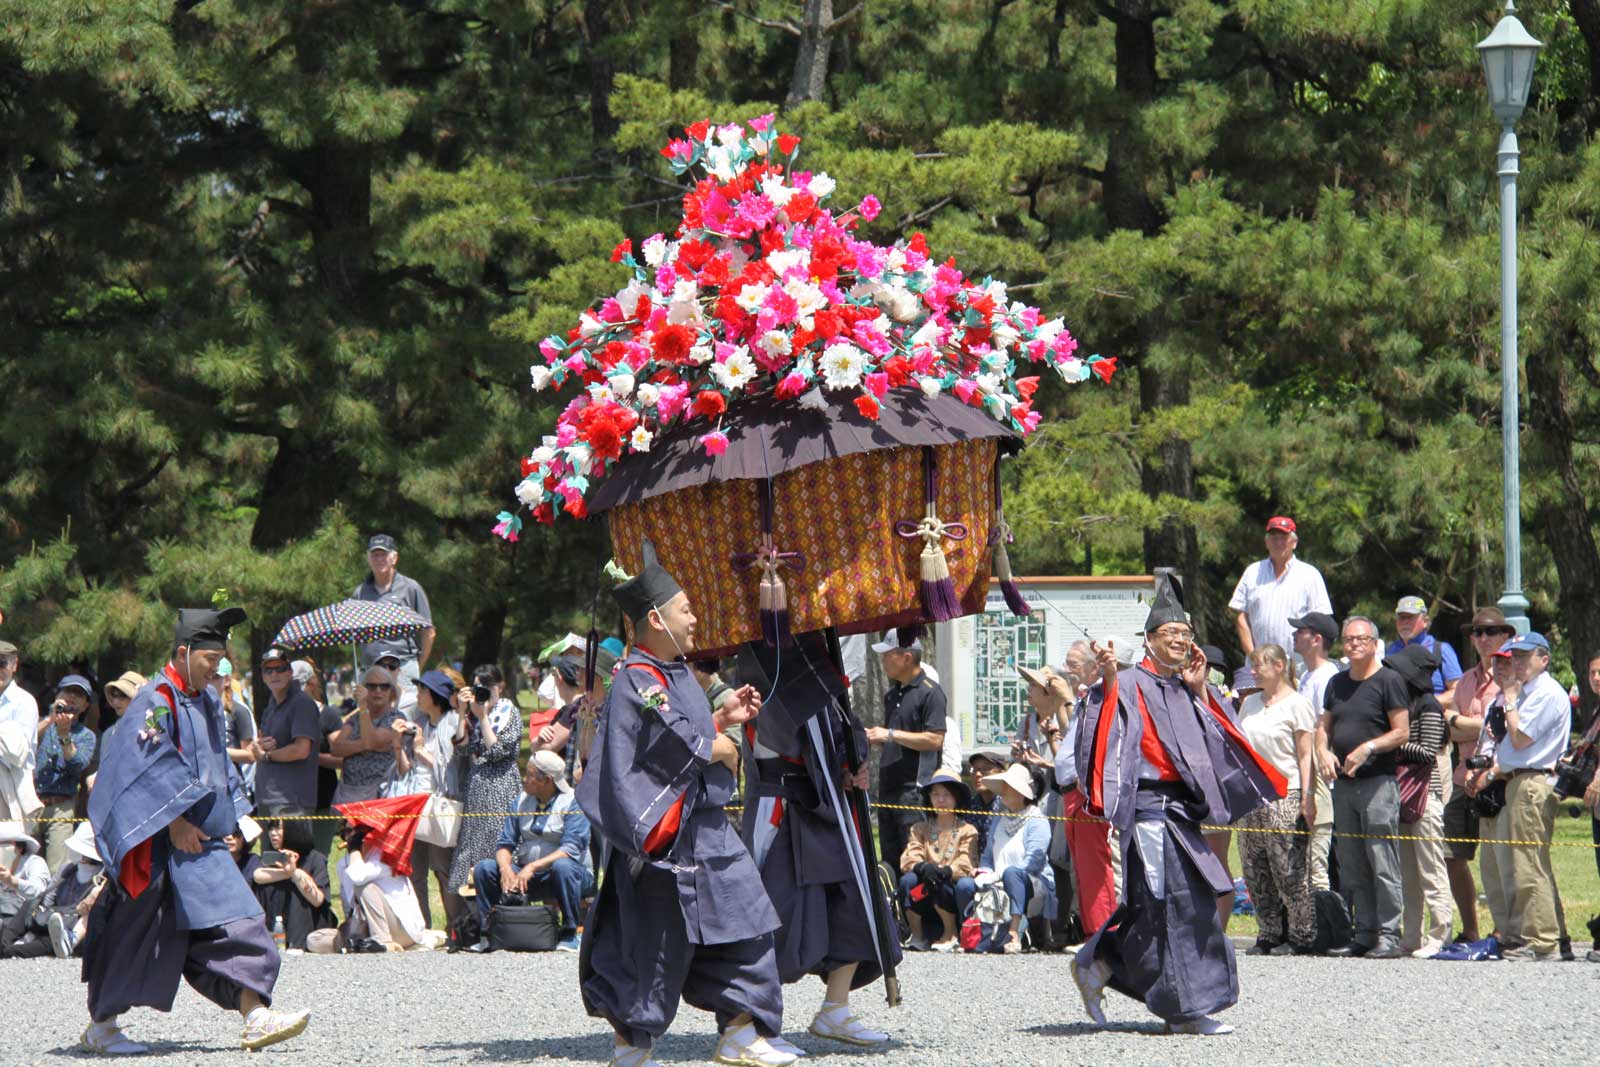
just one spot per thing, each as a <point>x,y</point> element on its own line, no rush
<point>1157,757</point>
<point>681,912</point>
<point>176,905</point>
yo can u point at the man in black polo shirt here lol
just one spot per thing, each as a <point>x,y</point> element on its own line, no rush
<point>1365,719</point>
<point>912,737</point>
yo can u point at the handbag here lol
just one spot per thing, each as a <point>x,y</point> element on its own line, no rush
<point>1413,780</point>
<point>523,928</point>
<point>440,822</point>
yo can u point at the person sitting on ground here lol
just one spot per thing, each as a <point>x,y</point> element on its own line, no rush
<point>940,855</point>
<point>543,851</point>
<point>380,907</point>
<point>242,840</point>
<point>57,923</point>
<point>1017,855</point>
<point>295,888</point>
<point>25,886</point>
<point>982,804</point>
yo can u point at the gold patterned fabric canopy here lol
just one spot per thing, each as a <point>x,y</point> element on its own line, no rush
<point>853,570</point>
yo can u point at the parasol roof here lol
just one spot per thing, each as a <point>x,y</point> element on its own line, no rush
<point>780,435</point>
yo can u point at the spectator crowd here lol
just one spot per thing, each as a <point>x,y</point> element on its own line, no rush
<point>1401,769</point>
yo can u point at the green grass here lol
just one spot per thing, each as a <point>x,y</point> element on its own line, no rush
<point>1576,879</point>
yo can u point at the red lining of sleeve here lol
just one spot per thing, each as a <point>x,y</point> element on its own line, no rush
<point>1102,735</point>
<point>665,832</point>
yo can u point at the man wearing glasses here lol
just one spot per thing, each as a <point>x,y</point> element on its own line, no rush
<point>1365,719</point>
<point>1475,691</point>
<point>1157,755</point>
<point>286,747</point>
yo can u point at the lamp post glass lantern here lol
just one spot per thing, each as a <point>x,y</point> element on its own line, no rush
<point>1508,54</point>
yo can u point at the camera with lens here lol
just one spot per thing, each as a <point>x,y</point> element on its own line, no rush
<point>1574,773</point>
<point>1479,763</point>
<point>514,899</point>
<point>481,693</point>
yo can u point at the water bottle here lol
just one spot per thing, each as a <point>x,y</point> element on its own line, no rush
<point>279,938</point>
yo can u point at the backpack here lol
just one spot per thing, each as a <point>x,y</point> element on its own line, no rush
<point>1334,928</point>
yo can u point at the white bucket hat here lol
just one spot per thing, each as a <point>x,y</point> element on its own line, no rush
<point>82,842</point>
<point>1016,776</point>
<point>12,833</point>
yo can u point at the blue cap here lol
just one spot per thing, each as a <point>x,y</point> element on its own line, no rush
<point>613,646</point>
<point>439,684</point>
<point>75,681</point>
<point>1527,643</point>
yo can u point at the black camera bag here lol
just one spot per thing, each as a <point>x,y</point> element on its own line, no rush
<point>524,928</point>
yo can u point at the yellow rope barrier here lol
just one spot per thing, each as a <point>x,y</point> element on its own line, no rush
<point>732,808</point>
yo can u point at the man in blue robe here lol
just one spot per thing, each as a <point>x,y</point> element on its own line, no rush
<point>801,834</point>
<point>681,912</point>
<point>176,905</point>
<point>1157,756</point>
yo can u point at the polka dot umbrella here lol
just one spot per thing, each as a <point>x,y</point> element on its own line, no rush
<point>349,622</point>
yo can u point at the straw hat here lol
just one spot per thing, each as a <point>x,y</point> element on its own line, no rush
<point>128,684</point>
<point>1017,776</point>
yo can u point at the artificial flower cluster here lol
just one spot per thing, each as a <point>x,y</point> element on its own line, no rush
<point>764,288</point>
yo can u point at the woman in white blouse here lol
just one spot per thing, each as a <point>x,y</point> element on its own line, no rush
<point>378,904</point>
<point>1279,724</point>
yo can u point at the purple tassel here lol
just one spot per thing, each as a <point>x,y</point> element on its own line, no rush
<point>938,590</point>
<point>999,537</point>
<point>939,599</point>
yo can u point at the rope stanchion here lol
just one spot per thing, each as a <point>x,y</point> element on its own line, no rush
<point>735,808</point>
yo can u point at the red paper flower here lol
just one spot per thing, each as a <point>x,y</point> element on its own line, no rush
<point>787,143</point>
<point>1105,367</point>
<point>709,403</point>
<point>699,130</point>
<point>1026,386</point>
<point>624,249</point>
<point>672,343</point>
<point>868,406</point>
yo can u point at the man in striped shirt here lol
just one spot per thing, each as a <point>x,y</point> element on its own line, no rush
<point>1275,590</point>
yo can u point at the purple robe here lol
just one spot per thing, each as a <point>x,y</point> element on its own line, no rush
<point>197,918</point>
<point>794,833</point>
<point>690,919</point>
<point>1164,943</point>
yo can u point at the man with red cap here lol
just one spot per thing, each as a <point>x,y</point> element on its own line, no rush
<point>1275,590</point>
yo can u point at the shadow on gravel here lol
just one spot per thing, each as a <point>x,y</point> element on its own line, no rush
<point>1154,1029</point>
<point>157,1050</point>
<point>590,1047</point>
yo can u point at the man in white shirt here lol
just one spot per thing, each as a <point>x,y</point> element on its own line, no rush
<point>1275,590</point>
<point>1314,634</point>
<point>1526,742</point>
<point>16,703</point>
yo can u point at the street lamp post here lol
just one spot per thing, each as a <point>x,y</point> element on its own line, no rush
<point>1508,54</point>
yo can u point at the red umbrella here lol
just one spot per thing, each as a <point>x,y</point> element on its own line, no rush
<point>391,824</point>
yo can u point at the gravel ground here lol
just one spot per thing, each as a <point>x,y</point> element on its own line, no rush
<point>435,1008</point>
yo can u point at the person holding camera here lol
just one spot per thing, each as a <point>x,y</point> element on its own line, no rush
<point>65,747</point>
<point>491,734</point>
<point>1525,731</point>
<point>543,852</point>
<point>290,878</point>
<point>427,762</point>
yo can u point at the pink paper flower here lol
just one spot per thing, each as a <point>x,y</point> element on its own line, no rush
<point>869,208</point>
<point>715,442</point>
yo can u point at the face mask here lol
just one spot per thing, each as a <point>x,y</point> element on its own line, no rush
<point>547,689</point>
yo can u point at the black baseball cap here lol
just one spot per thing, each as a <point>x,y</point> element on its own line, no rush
<point>1320,623</point>
<point>383,541</point>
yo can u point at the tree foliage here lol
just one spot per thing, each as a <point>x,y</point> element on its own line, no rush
<point>272,272</point>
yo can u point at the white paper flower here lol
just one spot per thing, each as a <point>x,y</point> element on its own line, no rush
<point>930,387</point>
<point>628,297</point>
<point>842,365</point>
<point>779,193</point>
<point>788,259</point>
<point>621,385</point>
<point>775,343</point>
<point>987,384</point>
<point>701,354</point>
<point>529,492</point>
<point>648,394</point>
<point>808,301</point>
<point>821,185</point>
<point>655,250</point>
<point>544,455</point>
<point>588,325</point>
<point>1004,335</point>
<point>1047,331</point>
<point>541,377</point>
<point>735,372</point>
<point>600,393</point>
<point>640,439</point>
<point>751,296</point>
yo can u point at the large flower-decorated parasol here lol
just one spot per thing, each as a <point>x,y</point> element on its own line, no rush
<point>767,379</point>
